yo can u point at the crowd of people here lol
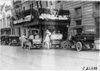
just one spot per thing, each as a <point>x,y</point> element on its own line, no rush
<point>46,39</point>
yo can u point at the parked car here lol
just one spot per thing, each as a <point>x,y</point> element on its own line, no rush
<point>9,39</point>
<point>4,39</point>
<point>56,40</point>
<point>14,40</point>
<point>83,39</point>
<point>36,41</point>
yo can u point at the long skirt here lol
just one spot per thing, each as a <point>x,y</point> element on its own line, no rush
<point>47,45</point>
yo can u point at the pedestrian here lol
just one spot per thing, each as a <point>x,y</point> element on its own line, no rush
<point>47,39</point>
<point>22,40</point>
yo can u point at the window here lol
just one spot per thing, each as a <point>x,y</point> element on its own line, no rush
<point>19,31</point>
<point>58,1</point>
<point>25,32</point>
<point>13,31</point>
<point>32,5</point>
<point>40,4</point>
<point>24,8</point>
<point>96,6</point>
<point>8,21</point>
<point>51,3</point>
<point>78,11</point>
<point>47,3</point>
<point>37,4</point>
<point>78,22</point>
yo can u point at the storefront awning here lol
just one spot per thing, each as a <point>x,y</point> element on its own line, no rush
<point>55,22</point>
<point>5,29</point>
<point>35,22</point>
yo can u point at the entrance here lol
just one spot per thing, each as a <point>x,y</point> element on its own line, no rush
<point>63,30</point>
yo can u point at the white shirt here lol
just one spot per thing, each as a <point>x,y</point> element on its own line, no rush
<point>47,38</point>
<point>22,38</point>
<point>31,37</point>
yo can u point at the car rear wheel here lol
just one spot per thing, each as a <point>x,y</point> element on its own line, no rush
<point>78,46</point>
<point>93,46</point>
<point>65,44</point>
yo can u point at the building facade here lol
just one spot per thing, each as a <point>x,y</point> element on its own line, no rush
<point>6,20</point>
<point>0,19</point>
<point>23,9</point>
<point>81,12</point>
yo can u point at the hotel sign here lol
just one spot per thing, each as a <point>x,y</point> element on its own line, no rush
<point>53,17</point>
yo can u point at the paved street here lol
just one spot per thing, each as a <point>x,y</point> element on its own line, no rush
<point>13,57</point>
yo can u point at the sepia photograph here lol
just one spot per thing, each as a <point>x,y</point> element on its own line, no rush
<point>50,35</point>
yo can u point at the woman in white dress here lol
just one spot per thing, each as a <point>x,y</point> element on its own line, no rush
<point>22,40</point>
<point>47,39</point>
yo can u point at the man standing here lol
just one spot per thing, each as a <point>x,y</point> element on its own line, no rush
<point>31,37</point>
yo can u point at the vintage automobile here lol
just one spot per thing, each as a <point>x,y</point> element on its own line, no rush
<point>36,42</point>
<point>83,39</point>
<point>14,40</point>
<point>4,39</point>
<point>56,40</point>
<point>10,40</point>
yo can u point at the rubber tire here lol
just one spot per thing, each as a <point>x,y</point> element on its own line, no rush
<point>93,47</point>
<point>67,45</point>
<point>79,46</point>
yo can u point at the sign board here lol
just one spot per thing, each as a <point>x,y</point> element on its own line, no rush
<point>53,17</point>
<point>91,29</point>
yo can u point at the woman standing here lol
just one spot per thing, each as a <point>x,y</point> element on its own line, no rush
<point>22,40</point>
<point>47,39</point>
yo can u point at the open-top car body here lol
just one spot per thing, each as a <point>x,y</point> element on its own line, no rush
<point>84,38</point>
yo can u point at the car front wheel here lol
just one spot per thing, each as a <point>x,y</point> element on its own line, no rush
<point>78,46</point>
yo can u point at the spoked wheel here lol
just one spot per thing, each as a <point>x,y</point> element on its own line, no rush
<point>79,46</point>
<point>67,45</point>
<point>93,46</point>
<point>62,44</point>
